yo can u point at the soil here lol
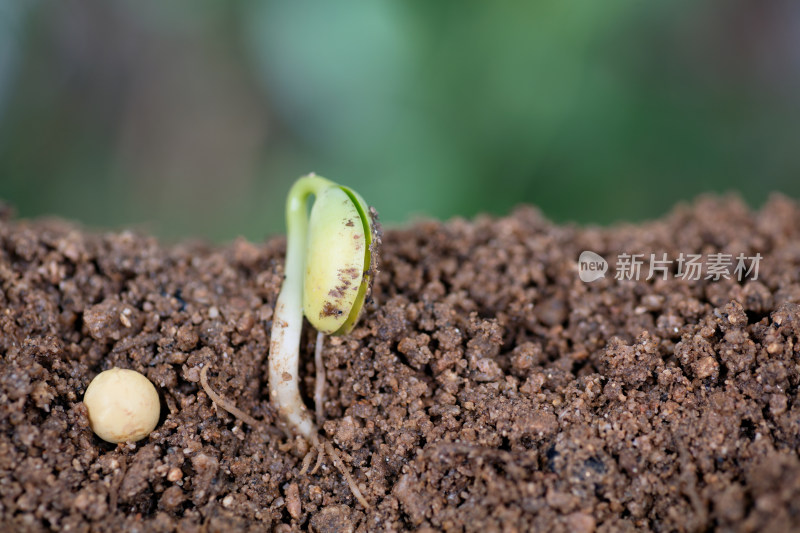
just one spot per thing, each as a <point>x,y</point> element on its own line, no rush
<point>486,388</point>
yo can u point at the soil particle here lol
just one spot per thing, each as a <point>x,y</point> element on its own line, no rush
<point>333,519</point>
<point>293,504</point>
<point>486,387</point>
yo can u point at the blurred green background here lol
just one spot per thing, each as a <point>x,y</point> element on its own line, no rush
<point>192,118</point>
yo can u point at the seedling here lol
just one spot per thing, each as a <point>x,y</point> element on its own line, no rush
<point>330,257</point>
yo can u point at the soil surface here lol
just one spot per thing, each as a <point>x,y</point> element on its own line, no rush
<point>486,388</point>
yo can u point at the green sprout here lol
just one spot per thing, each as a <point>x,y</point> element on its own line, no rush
<point>330,257</point>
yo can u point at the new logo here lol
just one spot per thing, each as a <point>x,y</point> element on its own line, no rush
<point>591,266</point>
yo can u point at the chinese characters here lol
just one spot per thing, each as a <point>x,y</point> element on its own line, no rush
<point>690,267</point>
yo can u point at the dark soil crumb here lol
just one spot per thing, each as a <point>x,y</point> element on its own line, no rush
<point>487,388</point>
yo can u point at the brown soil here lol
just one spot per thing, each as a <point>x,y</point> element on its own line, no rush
<point>487,388</point>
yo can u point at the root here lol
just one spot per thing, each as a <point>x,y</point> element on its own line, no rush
<point>307,461</point>
<point>226,405</point>
<point>337,462</point>
<point>320,452</point>
<point>324,446</point>
<point>321,446</point>
<point>320,457</point>
<point>319,385</point>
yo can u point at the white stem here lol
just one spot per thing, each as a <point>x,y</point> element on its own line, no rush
<point>284,363</point>
<point>287,320</point>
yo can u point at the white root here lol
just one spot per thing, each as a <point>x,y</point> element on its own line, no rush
<point>319,385</point>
